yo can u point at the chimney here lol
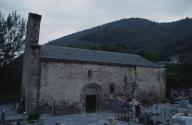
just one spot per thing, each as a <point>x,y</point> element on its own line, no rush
<point>33,28</point>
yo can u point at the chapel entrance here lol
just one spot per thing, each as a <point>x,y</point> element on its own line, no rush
<point>91,98</point>
<point>91,103</point>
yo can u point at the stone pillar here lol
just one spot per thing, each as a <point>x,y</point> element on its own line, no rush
<point>31,64</point>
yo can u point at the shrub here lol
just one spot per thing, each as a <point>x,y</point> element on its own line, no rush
<point>34,116</point>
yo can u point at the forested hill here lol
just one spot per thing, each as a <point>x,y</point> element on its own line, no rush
<point>157,41</point>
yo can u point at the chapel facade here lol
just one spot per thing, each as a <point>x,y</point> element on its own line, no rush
<point>80,80</point>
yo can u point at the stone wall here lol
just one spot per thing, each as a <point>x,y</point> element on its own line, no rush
<point>61,83</point>
<point>150,82</point>
<point>32,84</point>
<point>31,64</point>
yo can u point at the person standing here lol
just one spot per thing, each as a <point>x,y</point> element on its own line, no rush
<point>138,109</point>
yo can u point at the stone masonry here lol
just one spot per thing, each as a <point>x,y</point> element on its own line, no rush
<point>31,64</point>
<point>66,80</point>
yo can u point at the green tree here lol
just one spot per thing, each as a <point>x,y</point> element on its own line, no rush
<point>12,32</point>
<point>179,75</point>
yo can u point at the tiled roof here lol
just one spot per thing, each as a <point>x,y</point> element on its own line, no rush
<point>92,56</point>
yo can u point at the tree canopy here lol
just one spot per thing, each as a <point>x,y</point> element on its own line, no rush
<point>12,32</point>
<point>179,75</point>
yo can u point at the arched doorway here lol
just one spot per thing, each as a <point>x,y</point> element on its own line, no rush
<point>91,96</point>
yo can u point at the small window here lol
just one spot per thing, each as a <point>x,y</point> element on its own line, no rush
<point>125,81</point>
<point>89,73</point>
<point>112,88</point>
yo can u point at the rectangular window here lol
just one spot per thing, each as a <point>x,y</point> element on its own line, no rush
<point>112,88</point>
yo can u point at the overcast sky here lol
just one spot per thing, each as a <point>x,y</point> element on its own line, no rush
<point>62,17</point>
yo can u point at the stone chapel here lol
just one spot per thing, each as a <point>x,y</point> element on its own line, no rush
<point>71,79</point>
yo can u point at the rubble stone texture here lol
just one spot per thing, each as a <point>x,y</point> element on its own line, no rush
<point>59,79</point>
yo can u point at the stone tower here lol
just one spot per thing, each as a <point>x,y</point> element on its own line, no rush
<point>31,63</point>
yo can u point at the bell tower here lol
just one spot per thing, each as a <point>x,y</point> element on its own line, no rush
<point>31,64</point>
